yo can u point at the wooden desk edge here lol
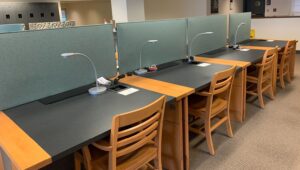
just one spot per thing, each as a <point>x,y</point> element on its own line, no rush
<point>259,47</point>
<point>157,86</point>
<point>23,152</point>
<point>242,64</point>
<point>267,39</point>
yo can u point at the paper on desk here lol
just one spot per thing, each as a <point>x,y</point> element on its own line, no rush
<point>270,40</point>
<point>244,49</point>
<point>203,64</point>
<point>128,91</point>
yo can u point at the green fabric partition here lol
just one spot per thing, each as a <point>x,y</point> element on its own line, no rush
<point>206,43</point>
<point>244,31</point>
<point>31,67</point>
<point>5,28</point>
<point>171,45</point>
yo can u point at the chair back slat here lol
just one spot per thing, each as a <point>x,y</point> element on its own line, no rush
<point>129,119</point>
<point>288,52</point>
<point>139,127</point>
<point>267,65</point>
<point>133,130</point>
<point>222,81</point>
<point>137,136</point>
<point>148,139</point>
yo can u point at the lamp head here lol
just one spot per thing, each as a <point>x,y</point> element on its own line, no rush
<point>206,33</point>
<point>152,41</point>
<point>67,55</point>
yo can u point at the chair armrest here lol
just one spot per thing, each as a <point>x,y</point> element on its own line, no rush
<point>204,93</point>
<point>258,65</point>
<point>103,145</point>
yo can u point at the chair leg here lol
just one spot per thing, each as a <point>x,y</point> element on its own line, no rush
<point>157,163</point>
<point>209,138</point>
<point>87,158</point>
<point>228,125</point>
<point>260,97</point>
<point>288,75</point>
<point>271,93</point>
<point>77,161</point>
<point>281,78</point>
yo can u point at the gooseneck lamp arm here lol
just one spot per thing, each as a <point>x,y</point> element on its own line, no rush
<point>195,37</point>
<point>141,71</point>
<point>95,90</point>
<point>142,47</point>
<point>67,55</point>
<point>236,33</point>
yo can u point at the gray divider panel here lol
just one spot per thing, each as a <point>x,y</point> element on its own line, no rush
<point>206,43</point>
<point>31,67</point>
<point>171,45</point>
<point>5,28</point>
<point>244,32</point>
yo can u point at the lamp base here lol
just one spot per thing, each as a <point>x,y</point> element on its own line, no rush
<point>191,59</point>
<point>97,90</point>
<point>235,47</point>
<point>140,71</point>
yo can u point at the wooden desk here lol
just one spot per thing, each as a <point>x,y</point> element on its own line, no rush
<point>241,59</point>
<point>178,81</point>
<point>34,135</point>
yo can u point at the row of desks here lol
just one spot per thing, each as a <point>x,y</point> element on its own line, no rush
<point>35,135</point>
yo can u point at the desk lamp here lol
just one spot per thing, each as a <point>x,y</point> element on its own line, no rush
<point>191,58</point>
<point>95,90</point>
<point>141,71</point>
<point>235,46</point>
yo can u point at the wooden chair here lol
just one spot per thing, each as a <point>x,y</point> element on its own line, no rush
<point>260,80</point>
<point>213,103</point>
<point>135,141</point>
<point>284,63</point>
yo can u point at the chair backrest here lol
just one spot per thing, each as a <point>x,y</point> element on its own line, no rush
<point>266,67</point>
<point>288,52</point>
<point>133,130</point>
<point>221,85</point>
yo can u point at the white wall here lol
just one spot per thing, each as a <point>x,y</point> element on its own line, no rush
<point>88,13</point>
<point>135,10</point>
<point>164,9</point>
<point>119,10</point>
<point>277,28</point>
<point>283,8</point>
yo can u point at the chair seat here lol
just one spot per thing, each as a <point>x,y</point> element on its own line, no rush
<point>197,106</point>
<point>132,161</point>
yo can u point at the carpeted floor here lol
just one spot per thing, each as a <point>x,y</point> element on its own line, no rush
<point>268,139</point>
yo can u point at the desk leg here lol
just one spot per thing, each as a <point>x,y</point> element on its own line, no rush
<point>1,161</point>
<point>275,73</point>
<point>186,133</point>
<point>292,65</point>
<point>173,138</point>
<point>238,97</point>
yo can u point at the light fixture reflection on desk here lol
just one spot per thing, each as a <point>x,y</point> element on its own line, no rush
<point>95,90</point>
<point>191,58</point>
<point>235,45</point>
<point>141,71</point>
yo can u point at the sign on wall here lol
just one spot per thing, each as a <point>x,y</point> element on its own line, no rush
<point>51,25</point>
